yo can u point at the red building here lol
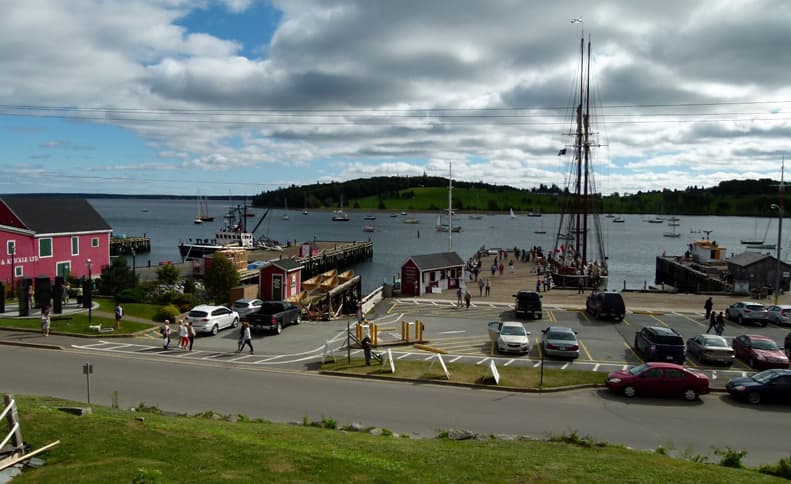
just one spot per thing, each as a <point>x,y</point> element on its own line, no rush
<point>422,273</point>
<point>49,237</point>
<point>280,279</point>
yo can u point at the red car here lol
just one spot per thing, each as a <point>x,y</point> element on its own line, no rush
<point>759,352</point>
<point>659,379</point>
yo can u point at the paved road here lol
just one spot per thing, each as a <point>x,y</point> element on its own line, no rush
<point>192,386</point>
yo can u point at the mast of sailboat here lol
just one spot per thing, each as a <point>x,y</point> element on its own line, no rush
<point>450,203</point>
<point>578,153</point>
<point>587,158</point>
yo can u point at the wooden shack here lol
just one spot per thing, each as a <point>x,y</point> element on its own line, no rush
<point>280,279</point>
<point>431,273</point>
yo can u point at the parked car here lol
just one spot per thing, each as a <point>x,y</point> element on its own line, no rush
<point>560,341</point>
<point>710,347</point>
<point>528,302</point>
<point>606,305</point>
<point>659,379</point>
<point>759,352</point>
<point>658,343</point>
<point>787,345</point>
<point>768,385</point>
<point>780,314</point>
<point>273,316</point>
<point>746,312</point>
<point>211,319</point>
<point>509,337</point>
<point>246,306</point>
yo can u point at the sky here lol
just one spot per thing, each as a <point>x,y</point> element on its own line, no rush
<point>237,97</point>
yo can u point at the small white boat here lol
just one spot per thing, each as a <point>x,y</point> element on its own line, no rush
<point>511,211</point>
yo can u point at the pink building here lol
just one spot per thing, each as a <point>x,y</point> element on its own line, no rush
<point>49,237</point>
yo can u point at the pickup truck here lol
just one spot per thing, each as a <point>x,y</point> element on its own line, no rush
<point>274,315</point>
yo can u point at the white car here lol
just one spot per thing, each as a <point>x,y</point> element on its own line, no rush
<point>509,336</point>
<point>211,319</point>
<point>780,314</point>
<point>246,306</point>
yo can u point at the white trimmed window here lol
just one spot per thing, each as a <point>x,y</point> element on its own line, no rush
<point>18,272</point>
<point>95,242</point>
<point>75,246</point>
<point>44,248</point>
<point>10,247</point>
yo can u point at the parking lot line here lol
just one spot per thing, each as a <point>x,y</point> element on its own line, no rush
<point>626,322</point>
<point>692,319</point>
<point>538,347</point>
<point>596,367</point>
<point>659,321</point>
<point>454,359</point>
<point>508,362</point>
<point>537,364</point>
<point>632,351</point>
<point>565,366</point>
<point>403,356</point>
<point>585,349</point>
<point>392,306</point>
<point>482,361</point>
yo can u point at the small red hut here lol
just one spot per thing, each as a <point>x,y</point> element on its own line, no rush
<point>431,272</point>
<point>280,279</point>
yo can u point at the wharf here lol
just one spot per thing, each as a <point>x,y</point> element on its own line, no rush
<point>331,255</point>
<point>688,275</point>
<point>126,245</point>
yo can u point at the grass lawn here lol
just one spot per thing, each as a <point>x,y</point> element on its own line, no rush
<point>463,373</point>
<point>111,445</point>
<point>138,310</point>
<point>74,323</point>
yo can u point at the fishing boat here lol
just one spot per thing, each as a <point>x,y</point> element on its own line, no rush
<point>533,214</point>
<point>673,232</point>
<point>369,217</point>
<point>340,215</point>
<point>369,227</point>
<point>618,220</point>
<point>578,258</point>
<point>232,235</point>
<point>411,220</point>
<point>443,227</point>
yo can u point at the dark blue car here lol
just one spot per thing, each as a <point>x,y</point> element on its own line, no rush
<point>769,385</point>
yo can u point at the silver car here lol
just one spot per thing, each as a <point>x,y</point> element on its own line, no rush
<point>211,319</point>
<point>509,337</point>
<point>245,306</point>
<point>560,341</point>
<point>780,314</point>
<point>710,347</point>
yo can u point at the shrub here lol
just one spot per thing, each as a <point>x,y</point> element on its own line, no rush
<point>189,286</point>
<point>781,469</point>
<point>170,312</point>
<point>730,457</point>
<point>185,301</point>
<point>131,295</point>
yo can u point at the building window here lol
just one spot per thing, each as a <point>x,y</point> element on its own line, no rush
<point>10,247</point>
<point>18,271</point>
<point>75,246</point>
<point>95,242</point>
<point>63,269</point>
<point>45,248</point>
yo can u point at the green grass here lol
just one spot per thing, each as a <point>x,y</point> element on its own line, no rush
<point>111,445</point>
<point>74,323</point>
<point>461,373</point>
<point>138,310</point>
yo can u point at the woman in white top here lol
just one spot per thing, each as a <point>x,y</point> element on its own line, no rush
<point>184,340</point>
<point>247,339</point>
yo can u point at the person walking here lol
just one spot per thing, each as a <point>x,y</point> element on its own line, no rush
<point>184,340</point>
<point>165,331</point>
<point>467,298</point>
<point>501,268</point>
<point>119,313</point>
<point>494,268</point>
<point>458,295</point>
<point>720,324</point>
<point>707,306</point>
<point>581,286</point>
<point>712,323</point>
<point>538,284</point>
<point>488,287</point>
<point>366,344</point>
<point>190,334</point>
<point>247,339</point>
<point>45,321</point>
<point>480,287</point>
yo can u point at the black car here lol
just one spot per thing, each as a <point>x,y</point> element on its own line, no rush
<point>768,385</point>
<point>658,343</point>
<point>606,305</point>
<point>528,302</point>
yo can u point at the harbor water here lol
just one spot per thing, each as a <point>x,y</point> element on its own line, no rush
<point>631,246</point>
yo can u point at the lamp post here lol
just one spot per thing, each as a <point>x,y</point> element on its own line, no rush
<point>13,266</point>
<point>90,293</point>
<point>779,209</point>
<point>134,274</point>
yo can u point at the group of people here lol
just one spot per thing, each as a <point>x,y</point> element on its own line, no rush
<point>186,335</point>
<point>716,320</point>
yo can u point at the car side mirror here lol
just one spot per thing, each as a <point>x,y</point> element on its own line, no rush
<point>513,295</point>
<point>529,333</point>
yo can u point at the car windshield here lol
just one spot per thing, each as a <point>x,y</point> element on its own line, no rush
<point>764,344</point>
<point>198,314</point>
<point>240,305</point>
<point>637,369</point>
<point>755,307</point>
<point>561,335</point>
<point>513,330</point>
<point>716,342</point>
<point>270,308</point>
<point>765,376</point>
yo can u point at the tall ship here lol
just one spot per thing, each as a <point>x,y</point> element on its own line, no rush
<point>232,235</point>
<point>579,258</point>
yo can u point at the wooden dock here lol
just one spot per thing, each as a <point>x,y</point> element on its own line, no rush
<point>332,255</point>
<point>125,245</point>
<point>689,276</point>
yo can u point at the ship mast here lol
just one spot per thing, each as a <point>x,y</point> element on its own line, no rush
<point>587,159</point>
<point>578,154</point>
<point>450,204</point>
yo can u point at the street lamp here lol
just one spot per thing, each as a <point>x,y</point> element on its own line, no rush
<point>779,209</point>
<point>13,266</point>
<point>90,293</point>
<point>134,274</point>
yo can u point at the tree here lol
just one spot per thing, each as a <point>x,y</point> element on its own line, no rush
<point>116,277</point>
<point>219,278</point>
<point>167,274</point>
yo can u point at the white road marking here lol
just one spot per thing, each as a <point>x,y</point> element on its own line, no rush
<point>454,359</point>
<point>483,361</point>
<point>508,362</point>
<point>403,356</point>
<point>429,357</point>
<point>537,364</point>
<point>596,367</point>
<point>565,366</point>
<point>453,332</point>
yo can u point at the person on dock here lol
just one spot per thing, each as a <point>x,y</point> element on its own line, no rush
<point>480,287</point>
<point>488,287</point>
<point>494,268</point>
<point>707,306</point>
<point>712,323</point>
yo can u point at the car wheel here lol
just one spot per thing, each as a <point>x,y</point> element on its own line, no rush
<point>764,324</point>
<point>538,315</point>
<point>279,328</point>
<point>740,320</point>
<point>754,398</point>
<point>596,314</point>
<point>299,319</point>
<point>235,322</point>
<point>214,330</point>
<point>629,391</point>
<point>690,394</point>
<point>751,363</point>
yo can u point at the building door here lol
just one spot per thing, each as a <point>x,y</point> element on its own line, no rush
<point>63,269</point>
<point>277,287</point>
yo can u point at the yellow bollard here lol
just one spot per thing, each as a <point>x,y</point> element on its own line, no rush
<point>404,330</point>
<point>374,334</point>
<point>419,330</point>
<point>358,331</point>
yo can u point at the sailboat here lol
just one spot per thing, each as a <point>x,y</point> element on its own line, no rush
<point>541,230</point>
<point>476,216</point>
<point>448,227</point>
<point>203,211</point>
<point>305,210</point>
<point>755,240</point>
<point>285,207</point>
<point>340,215</point>
<point>673,232</point>
<point>578,258</point>
<point>511,212</point>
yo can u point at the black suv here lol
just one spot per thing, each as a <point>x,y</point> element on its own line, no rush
<point>658,343</point>
<point>528,302</point>
<point>606,305</point>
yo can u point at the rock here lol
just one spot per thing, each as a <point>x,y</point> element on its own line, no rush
<point>216,416</point>
<point>506,437</point>
<point>232,418</point>
<point>460,434</point>
<point>355,427</point>
<point>79,411</point>
<point>140,419</point>
<point>35,462</point>
<point>375,431</point>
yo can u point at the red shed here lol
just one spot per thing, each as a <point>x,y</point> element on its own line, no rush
<point>421,273</point>
<point>280,279</point>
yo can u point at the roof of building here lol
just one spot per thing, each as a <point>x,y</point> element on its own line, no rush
<point>747,258</point>
<point>287,264</point>
<point>440,260</point>
<point>54,215</point>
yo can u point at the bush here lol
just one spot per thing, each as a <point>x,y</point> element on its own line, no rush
<point>781,469</point>
<point>189,286</point>
<point>132,295</point>
<point>169,312</point>
<point>730,457</point>
<point>185,302</point>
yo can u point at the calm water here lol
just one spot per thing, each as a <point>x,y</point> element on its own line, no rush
<point>631,246</point>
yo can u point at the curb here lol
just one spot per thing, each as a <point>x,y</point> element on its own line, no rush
<point>30,345</point>
<point>80,335</point>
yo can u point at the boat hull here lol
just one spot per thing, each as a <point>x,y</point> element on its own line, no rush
<point>572,281</point>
